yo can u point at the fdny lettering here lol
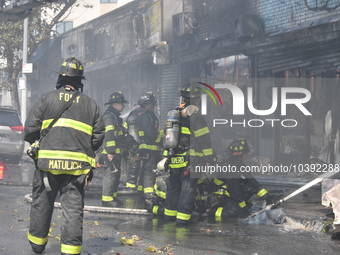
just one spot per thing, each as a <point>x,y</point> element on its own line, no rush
<point>177,160</point>
<point>64,165</point>
<point>66,97</point>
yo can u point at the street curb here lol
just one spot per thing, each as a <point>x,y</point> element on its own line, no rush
<point>98,209</point>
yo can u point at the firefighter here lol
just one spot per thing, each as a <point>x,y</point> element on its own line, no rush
<point>65,158</point>
<point>194,143</point>
<point>150,138</point>
<point>232,195</point>
<point>132,141</point>
<point>113,148</point>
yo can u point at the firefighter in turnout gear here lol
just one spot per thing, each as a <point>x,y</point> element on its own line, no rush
<point>150,138</point>
<point>193,148</point>
<point>65,159</point>
<point>113,148</point>
<point>232,195</point>
<point>132,141</point>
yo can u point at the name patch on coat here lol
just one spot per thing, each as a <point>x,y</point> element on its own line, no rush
<point>64,164</point>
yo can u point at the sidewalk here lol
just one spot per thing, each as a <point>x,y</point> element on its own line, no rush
<point>304,208</point>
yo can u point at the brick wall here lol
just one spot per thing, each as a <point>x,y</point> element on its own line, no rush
<point>283,14</point>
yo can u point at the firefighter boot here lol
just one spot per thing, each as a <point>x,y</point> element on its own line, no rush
<point>38,249</point>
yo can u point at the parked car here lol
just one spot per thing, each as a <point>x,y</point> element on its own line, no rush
<point>11,135</point>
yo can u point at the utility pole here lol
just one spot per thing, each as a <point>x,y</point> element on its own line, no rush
<point>23,80</point>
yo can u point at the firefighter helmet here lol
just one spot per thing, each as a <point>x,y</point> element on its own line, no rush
<point>72,67</point>
<point>238,147</point>
<point>190,91</point>
<point>147,98</point>
<point>117,97</point>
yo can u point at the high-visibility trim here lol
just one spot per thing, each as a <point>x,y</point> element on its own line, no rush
<point>208,152</point>
<point>218,212</point>
<point>69,123</point>
<point>161,133</point>
<point>195,153</point>
<point>159,138</point>
<point>160,193</point>
<point>218,182</point>
<point>110,143</point>
<point>70,172</point>
<point>114,195</point>
<point>37,240</point>
<point>118,151</point>
<point>130,185</point>
<point>202,198</point>
<point>109,127</point>
<point>70,249</point>
<point>262,192</point>
<point>155,209</point>
<point>200,181</point>
<point>107,198</point>
<point>170,213</point>
<point>141,133</point>
<point>185,130</point>
<point>183,216</point>
<point>149,147</point>
<point>179,165</point>
<point>140,188</point>
<point>242,204</point>
<point>201,131</point>
<point>70,155</point>
<point>120,132</point>
<point>125,125</point>
<point>148,190</point>
<point>104,151</point>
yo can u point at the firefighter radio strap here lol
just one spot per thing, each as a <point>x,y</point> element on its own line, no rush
<point>32,151</point>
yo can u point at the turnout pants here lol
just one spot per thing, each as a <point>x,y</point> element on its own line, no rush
<point>148,165</point>
<point>111,179</point>
<point>71,189</point>
<point>133,175</point>
<point>181,195</point>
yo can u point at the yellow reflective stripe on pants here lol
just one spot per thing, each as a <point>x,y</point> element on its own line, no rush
<point>161,194</point>
<point>218,182</point>
<point>242,204</point>
<point>70,155</point>
<point>183,216</point>
<point>171,213</point>
<point>140,188</point>
<point>69,123</point>
<point>130,185</point>
<point>70,249</point>
<point>262,192</point>
<point>148,190</point>
<point>155,209</point>
<point>37,240</point>
<point>218,214</point>
<point>107,198</point>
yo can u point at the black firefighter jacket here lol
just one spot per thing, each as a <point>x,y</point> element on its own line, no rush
<point>69,147</point>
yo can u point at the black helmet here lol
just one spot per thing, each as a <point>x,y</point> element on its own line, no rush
<point>72,67</point>
<point>117,97</point>
<point>238,147</point>
<point>190,91</point>
<point>147,98</point>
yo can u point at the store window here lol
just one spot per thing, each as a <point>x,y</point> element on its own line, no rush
<point>64,26</point>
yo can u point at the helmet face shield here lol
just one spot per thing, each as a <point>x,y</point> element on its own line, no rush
<point>72,67</point>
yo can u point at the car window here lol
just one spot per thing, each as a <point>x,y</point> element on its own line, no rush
<point>9,119</point>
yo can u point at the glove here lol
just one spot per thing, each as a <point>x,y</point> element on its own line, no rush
<point>268,198</point>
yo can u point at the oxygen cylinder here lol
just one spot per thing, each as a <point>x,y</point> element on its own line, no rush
<point>172,130</point>
<point>132,128</point>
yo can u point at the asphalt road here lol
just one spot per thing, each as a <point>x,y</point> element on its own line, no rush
<point>103,231</point>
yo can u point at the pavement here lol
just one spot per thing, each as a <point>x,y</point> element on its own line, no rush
<point>305,208</point>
